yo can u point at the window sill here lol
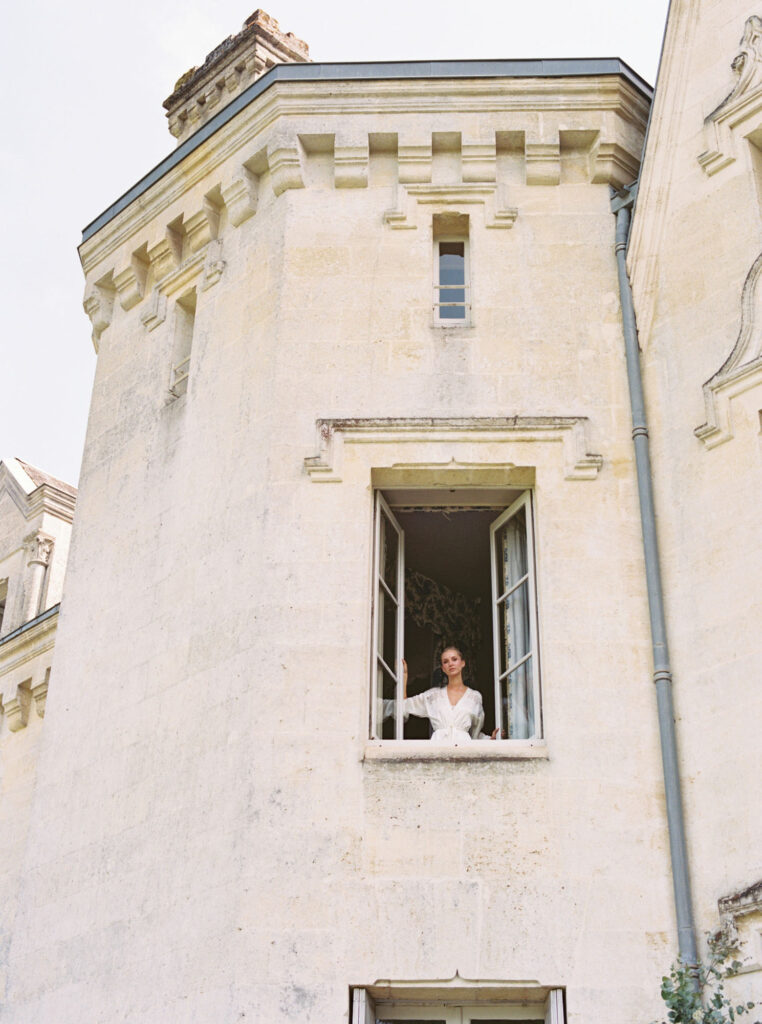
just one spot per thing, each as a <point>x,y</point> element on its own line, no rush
<point>477,750</point>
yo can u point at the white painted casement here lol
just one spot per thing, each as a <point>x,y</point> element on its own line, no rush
<point>452,290</point>
<point>514,621</point>
<point>366,1010</point>
<point>388,616</point>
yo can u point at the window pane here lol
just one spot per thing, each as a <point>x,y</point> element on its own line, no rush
<point>452,294</point>
<point>517,698</point>
<point>511,552</point>
<point>387,703</point>
<point>389,555</point>
<point>452,312</point>
<point>387,628</point>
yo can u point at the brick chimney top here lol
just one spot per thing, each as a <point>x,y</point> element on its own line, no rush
<point>232,66</point>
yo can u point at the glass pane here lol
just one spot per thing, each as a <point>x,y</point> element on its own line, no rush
<point>452,295</point>
<point>389,553</point>
<point>452,312</point>
<point>517,699</point>
<point>387,697</point>
<point>511,552</point>
<point>387,628</point>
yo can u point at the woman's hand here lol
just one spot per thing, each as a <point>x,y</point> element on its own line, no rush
<point>495,732</point>
<point>404,678</point>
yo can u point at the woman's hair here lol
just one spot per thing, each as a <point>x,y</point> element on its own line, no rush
<point>452,647</point>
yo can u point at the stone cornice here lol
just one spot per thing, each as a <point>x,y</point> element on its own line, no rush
<point>43,498</point>
<point>568,431</point>
<point>598,96</point>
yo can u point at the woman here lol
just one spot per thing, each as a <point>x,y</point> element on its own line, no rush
<point>455,711</point>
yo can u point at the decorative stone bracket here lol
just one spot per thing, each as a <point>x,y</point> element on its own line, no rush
<point>740,113</point>
<point>741,371</point>
<point>569,431</point>
<point>99,306</point>
<point>496,215</point>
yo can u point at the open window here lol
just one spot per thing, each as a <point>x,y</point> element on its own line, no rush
<point>455,567</point>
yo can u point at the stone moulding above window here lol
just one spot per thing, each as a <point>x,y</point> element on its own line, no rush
<point>512,1000</point>
<point>740,113</point>
<point>496,215</point>
<point>741,371</point>
<point>741,916</point>
<point>569,432</point>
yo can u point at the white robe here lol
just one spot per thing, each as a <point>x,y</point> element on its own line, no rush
<point>452,723</point>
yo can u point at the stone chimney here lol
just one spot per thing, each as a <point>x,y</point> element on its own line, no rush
<point>232,66</point>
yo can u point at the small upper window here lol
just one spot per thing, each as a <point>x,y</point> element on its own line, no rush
<point>451,272</point>
<point>185,316</point>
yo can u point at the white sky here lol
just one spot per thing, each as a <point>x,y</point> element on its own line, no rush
<point>83,86</point>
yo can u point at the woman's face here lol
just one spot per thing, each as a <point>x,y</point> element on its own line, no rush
<point>452,663</point>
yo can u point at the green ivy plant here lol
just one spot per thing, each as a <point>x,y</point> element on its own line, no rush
<point>695,993</point>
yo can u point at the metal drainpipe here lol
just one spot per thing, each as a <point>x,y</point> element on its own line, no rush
<point>621,204</point>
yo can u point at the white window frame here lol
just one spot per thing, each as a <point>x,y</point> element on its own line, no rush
<point>455,1009</point>
<point>381,593</point>
<point>498,598</point>
<point>465,320</point>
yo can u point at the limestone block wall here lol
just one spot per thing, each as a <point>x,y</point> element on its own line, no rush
<point>214,836</point>
<point>693,256</point>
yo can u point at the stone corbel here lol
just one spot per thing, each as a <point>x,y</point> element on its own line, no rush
<point>40,694</point>
<point>543,162</point>
<point>285,164</point>
<point>571,431</point>
<point>350,161</point>
<point>613,165</point>
<point>240,197</point>
<point>130,282</point>
<point>414,158</point>
<point>155,312</point>
<point>202,226</point>
<point>16,709</point>
<point>162,258</point>
<point>479,160</point>
<point>213,265</point>
<point>99,306</point>
<point>741,111</point>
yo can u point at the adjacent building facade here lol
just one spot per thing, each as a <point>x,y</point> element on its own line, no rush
<point>361,393</point>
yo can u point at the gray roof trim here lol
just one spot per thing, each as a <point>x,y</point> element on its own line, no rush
<point>374,71</point>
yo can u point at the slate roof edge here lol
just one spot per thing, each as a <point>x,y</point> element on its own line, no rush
<point>573,67</point>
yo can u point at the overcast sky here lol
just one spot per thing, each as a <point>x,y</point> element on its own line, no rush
<point>83,86</point>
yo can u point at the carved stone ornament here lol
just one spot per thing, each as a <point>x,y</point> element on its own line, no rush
<point>496,213</point>
<point>742,370</point>
<point>39,546</point>
<point>740,112</point>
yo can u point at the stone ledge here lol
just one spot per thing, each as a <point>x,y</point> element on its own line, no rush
<point>400,751</point>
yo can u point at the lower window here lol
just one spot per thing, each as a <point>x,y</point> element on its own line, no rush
<point>539,1008</point>
<point>454,569</point>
